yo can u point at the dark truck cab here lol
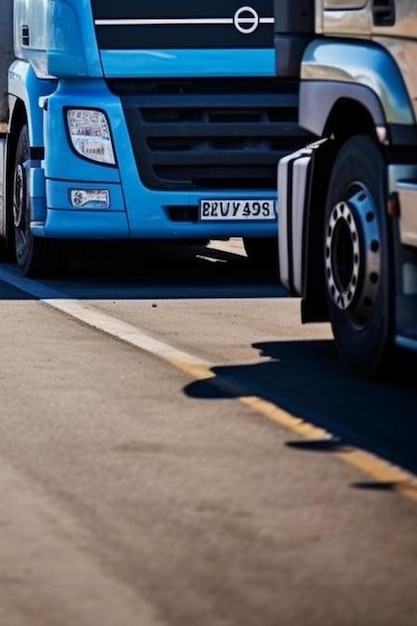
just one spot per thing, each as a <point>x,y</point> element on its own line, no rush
<point>347,205</point>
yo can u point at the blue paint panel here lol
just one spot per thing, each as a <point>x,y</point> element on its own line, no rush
<point>83,225</point>
<point>175,63</point>
<point>73,48</point>
<point>36,181</point>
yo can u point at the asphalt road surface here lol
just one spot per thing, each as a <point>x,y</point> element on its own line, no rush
<point>176,449</point>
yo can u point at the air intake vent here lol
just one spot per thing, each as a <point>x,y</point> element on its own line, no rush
<point>211,133</point>
<point>384,12</point>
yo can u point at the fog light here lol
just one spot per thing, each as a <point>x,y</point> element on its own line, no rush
<point>90,198</point>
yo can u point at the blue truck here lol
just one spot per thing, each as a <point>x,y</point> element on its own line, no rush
<point>139,121</point>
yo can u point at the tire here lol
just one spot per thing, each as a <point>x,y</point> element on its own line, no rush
<point>357,259</point>
<point>262,254</point>
<point>33,254</point>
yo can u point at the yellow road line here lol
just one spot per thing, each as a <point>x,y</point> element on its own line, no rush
<point>378,469</point>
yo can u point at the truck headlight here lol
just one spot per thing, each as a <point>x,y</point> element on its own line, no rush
<point>90,135</point>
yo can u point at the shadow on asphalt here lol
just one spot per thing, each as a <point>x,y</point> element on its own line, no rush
<point>155,270</point>
<point>306,379</point>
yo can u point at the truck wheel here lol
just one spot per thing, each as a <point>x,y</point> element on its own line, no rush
<point>262,254</point>
<point>32,253</point>
<point>357,266</point>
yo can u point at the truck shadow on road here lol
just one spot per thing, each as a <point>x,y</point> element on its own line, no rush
<point>305,379</point>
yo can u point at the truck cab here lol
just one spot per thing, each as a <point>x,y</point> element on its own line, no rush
<point>139,121</point>
<point>347,206</point>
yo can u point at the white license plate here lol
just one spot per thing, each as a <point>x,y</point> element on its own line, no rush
<point>237,210</point>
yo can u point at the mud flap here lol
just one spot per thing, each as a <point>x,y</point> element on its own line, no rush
<point>294,181</point>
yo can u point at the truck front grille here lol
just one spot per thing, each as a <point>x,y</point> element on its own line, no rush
<point>210,134</point>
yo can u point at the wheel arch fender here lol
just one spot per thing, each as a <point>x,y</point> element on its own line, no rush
<point>319,102</point>
<point>360,71</point>
<point>26,92</point>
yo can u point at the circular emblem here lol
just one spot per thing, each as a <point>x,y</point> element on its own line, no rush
<point>246,20</point>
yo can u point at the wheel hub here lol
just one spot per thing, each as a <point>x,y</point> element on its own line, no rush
<point>353,255</point>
